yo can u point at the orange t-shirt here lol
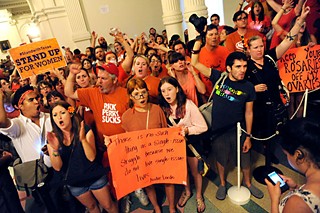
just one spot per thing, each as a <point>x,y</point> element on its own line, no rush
<point>235,43</point>
<point>215,59</point>
<point>107,109</point>
<point>190,89</point>
<point>164,71</point>
<point>152,84</point>
<point>122,75</point>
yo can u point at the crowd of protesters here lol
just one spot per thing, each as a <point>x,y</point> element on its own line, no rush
<point>152,81</point>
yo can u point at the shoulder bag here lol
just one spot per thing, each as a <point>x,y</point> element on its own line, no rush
<point>280,111</point>
<point>31,174</point>
<point>206,109</point>
<point>283,90</point>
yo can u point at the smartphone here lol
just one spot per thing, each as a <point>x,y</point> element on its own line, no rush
<point>275,178</point>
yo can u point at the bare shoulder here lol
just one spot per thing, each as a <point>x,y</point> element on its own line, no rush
<point>296,204</point>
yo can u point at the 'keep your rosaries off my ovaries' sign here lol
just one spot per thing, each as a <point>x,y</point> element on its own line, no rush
<point>38,57</point>
<point>300,68</point>
<point>142,158</point>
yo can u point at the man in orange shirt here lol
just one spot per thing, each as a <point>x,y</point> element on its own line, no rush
<point>212,55</point>
<point>107,99</point>
<point>237,41</point>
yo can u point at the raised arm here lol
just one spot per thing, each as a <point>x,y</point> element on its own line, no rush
<point>88,143</point>
<point>53,149</point>
<point>142,43</point>
<point>94,37</point>
<point>239,7</point>
<point>286,43</point>
<point>156,46</point>
<point>195,60</point>
<point>69,86</point>
<point>201,87</point>
<point>127,63</point>
<point>278,29</point>
<point>56,72</point>
<point>298,7</point>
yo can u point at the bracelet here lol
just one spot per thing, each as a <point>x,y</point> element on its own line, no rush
<point>284,10</point>
<point>291,37</point>
<point>55,153</point>
<point>195,51</point>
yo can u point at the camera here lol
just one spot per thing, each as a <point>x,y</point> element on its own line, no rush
<point>114,31</point>
<point>198,22</point>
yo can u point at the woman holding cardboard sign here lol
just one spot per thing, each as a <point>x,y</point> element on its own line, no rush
<point>182,112</point>
<point>144,115</point>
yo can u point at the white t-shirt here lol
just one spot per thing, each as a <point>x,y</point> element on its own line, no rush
<point>28,138</point>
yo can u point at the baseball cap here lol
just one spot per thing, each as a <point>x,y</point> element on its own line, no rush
<point>110,68</point>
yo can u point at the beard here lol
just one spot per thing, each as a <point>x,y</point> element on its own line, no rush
<point>104,45</point>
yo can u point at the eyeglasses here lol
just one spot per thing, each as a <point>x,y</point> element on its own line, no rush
<point>141,95</point>
<point>45,87</point>
<point>155,61</point>
<point>242,18</point>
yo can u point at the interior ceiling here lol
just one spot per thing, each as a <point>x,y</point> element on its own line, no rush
<point>16,7</point>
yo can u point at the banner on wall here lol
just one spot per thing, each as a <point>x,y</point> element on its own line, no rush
<point>38,57</point>
<point>142,158</point>
<point>300,68</point>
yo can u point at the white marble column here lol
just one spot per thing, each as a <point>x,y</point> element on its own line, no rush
<point>172,17</point>
<point>80,33</point>
<point>40,19</point>
<point>190,7</point>
<point>58,18</point>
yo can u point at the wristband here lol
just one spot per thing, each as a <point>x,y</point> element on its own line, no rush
<point>195,51</point>
<point>55,153</point>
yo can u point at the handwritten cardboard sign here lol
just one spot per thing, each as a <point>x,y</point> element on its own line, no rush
<point>37,57</point>
<point>142,158</point>
<point>300,68</point>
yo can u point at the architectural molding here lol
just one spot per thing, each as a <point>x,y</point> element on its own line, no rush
<point>172,18</point>
<point>81,36</point>
<point>49,13</point>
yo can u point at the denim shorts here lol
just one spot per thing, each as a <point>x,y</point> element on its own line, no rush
<point>100,183</point>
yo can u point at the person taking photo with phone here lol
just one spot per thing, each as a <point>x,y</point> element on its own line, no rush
<point>301,144</point>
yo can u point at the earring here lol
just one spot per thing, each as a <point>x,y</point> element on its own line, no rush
<point>300,155</point>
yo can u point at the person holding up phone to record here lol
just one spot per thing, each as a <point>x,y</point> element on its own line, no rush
<point>301,144</point>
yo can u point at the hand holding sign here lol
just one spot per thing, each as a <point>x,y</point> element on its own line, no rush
<point>37,57</point>
<point>142,158</point>
<point>299,68</point>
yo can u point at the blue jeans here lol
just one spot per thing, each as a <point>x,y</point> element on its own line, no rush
<point>100,183</point>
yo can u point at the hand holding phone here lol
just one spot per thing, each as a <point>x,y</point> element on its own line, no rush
<point>274,178</point>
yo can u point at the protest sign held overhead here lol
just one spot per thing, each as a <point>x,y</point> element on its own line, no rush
<point>300,68</point>
<point>142,158</point>
<point>38,57</point>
